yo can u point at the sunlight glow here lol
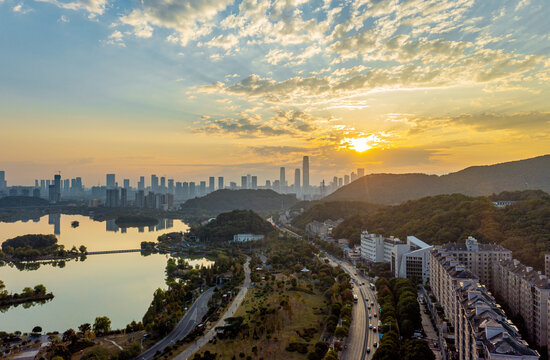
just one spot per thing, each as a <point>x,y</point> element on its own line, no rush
<point>361,144</point>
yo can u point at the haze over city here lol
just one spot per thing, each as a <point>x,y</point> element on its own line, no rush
<point>190,89</point>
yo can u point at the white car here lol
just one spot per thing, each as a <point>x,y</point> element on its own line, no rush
<point>370,316</point>
<point>370,326</point>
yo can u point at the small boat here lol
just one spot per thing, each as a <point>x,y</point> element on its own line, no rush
<point>75,224</point>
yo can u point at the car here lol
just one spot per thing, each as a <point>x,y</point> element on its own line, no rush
<point>368,350</point>
<point>370,326</point>
<point>374,329</point>
<point>371,303</point>
<point>375,344</point>
<point>375,315</point>
<point>370,316</point>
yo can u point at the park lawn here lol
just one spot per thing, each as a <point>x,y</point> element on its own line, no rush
<point>277,327</point>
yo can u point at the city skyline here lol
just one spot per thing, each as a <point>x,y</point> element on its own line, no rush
<point>185,88</point>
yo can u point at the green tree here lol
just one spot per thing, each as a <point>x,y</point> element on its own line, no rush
<point>83,249</point>
<point>40,289</point>
<point>102,325</point>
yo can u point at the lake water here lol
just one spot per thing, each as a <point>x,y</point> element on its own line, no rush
<point>119,286</point>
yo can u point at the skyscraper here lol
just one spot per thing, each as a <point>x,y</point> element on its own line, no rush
<point>110,181</point>
<point>127,184</point>
<point>57,184</point>
<point>163,183</point>
<point>154,182</point>
<point>141,183</point>
<point>220,182</point>
<point>360,172</point>
<point>254,184</point>
<point>346,179</point>
<point>243,182</point>
<point>171,186</point>
<point>305,171</point>
<point>297,180</point>
<point>3,183</point>
<point>353,177</point>
<point>282,177</point>
<point>211,183</point>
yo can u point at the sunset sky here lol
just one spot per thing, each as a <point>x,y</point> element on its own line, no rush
<point>193,88</point>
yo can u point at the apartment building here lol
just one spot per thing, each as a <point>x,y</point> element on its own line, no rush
<point>445,273</point>
<point>482,330</point>
<point>547,264</point>
<point>377,248</point>
<point>525,293</point>
<point>478,257</point>
<point>411,260</point>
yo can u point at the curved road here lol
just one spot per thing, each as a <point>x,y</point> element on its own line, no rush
<point>199,343</point>
<point>192,318</point>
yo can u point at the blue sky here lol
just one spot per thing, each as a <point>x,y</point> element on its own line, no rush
<point>418,85</point>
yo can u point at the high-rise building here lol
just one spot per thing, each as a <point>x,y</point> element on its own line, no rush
<point>340,182</point>
<point>220,182</point>
<point>192,190</point>
<point>297,185</point>
<point>248,180</point>
<point>140,198</point>
<point>360,172</point>
<point>353,177</point>
<point>111,180</point>
<point>211,183</point>
<point>66,185</point>
<point>171,186</point>
<point>185,190</point>
<point>282,177</point>
<point>57,185</point>
<point>244,182</point>
<point>3,183</point>
<point>268,184</point>
<point>305,174</point>
<point>254,184</point>
<point>36,183</point>
<point>154,182</point>
<point>127,184</point>
<point>141,183</point>
<point>124,197</point>
<point>163,183</point>
<point>346,179</point>
<point>112,198</point>
<point>202,190</point>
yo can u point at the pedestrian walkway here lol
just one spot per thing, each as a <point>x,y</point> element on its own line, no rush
<point>431,334</point>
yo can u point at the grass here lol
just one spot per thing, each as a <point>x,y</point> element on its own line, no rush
<point>275,315</point>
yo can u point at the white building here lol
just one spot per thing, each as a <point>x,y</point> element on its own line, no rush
<point>376,248</point>
<point>411,260</point>
<point>246,237</point>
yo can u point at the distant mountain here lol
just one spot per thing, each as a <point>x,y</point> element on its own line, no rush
<point>529,174</point>
<point>334,210</point>
<point>227,200</point>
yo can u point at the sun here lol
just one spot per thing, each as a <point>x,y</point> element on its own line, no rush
<point>358,144</point>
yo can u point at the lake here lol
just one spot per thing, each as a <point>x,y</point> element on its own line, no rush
<point>119,286</point>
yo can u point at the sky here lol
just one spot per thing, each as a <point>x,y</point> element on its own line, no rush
<point>197,88</point>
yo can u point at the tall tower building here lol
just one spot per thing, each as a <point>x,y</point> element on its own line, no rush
<point>141,183</point>
<point>57,184</point>
<point>211,183</point>
<point>346,179</point>
<point>163,183</point>
<point>305,171</point>
<point>220,182</point>
<point>282,179</point>
<point>244,182</point>
<point>127,184</point>
<point>3,183</point>
<point>254,184</point>
<point>297,185</point>
<point>154,182</point>
<point>360,172</point>
<point>110,181</point>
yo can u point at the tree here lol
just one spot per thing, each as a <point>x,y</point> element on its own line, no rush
<point>37,329</point>
<point>102,325</point>
<point>341,332</point>
<point>83,249</point>
<point>69,335</point>
<point>40,289</point>
<point>331,355</point>
<point>85,327</point>
<point>27,292</point>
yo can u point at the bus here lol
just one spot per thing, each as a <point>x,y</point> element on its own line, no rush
<point>355,298</point>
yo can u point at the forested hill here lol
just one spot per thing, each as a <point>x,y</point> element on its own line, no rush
<point>225,225</point>
<point>529,174</point>
<point>523,227</point>
<point>333,210</point>
<point>226,200</point>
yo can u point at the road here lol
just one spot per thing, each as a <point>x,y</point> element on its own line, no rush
<point>203,340</point>
<point>192,318</point>
<point>360,337</point>
<point>431,334</point>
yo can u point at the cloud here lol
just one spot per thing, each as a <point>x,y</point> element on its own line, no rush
<point>20,9</point>
<point>115,38</point>
<point>63,19</point>
<point>93,7</point>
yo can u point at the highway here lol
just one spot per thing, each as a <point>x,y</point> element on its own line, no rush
<point>360,337</point>
<point>192,318</point>
<point>203,340</point>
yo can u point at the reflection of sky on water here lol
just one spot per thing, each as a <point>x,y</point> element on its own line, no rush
<point>119,286</point>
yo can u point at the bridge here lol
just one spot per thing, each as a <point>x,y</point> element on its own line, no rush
<point>112,252</point>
